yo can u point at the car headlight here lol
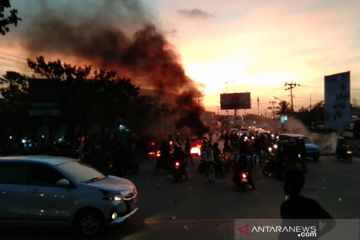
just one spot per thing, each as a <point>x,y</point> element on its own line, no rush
<point>112,196</point>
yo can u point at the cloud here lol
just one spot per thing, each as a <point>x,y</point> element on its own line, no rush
<point>195,13</point>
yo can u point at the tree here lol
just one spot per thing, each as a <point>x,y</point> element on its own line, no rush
<point>97,99</point>
<point>5,21</point>
<point>283,108</point>
<point>15,93</point>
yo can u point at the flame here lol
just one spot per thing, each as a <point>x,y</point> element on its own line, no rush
<point>196,150</point>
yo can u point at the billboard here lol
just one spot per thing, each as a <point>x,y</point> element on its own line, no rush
<point>44,97</point>
<point>337,101</point>
<point>235,101</point>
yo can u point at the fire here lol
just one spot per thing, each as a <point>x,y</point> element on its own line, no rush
<point>196,150</point>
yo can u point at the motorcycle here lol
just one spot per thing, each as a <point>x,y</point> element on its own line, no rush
<point>178,171</point>
<point>227,162</point>
<point>270,166</point>
<point>162,164</point>
<point>219,167</point>
<point>343,152</point>
<point>131,166</point>
<point>243,179</point>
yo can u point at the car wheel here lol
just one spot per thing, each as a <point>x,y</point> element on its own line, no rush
<point>90,223</point>
<point>316,158</point>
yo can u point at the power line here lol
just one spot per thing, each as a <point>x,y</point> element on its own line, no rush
<point>8,59</point>
<point>291,87</point>
<point>10,55</point>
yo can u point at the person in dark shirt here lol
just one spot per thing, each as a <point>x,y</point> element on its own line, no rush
<point>299,207</point>
<point>257,149</point>
<point>187,151</point>
<point>302,151</point>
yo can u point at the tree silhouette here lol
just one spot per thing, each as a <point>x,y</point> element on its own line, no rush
<point>283,108</point>
<point>5,21</point>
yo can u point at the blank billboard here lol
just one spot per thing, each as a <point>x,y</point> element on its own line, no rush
<point>230,101</point>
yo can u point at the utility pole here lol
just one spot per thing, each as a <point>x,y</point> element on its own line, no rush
<point>258,105</point>
<point>273,108</point>
<point>291,87</point>
<point>218,110</point>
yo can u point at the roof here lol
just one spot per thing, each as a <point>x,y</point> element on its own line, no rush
<point>292,135</point>
<point>53,160</point>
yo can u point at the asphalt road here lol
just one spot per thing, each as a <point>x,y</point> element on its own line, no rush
<point>208,211</point>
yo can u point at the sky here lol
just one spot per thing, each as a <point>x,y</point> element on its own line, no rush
<point>248,46</point>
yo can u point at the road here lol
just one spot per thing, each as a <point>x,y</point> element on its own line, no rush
<point>208,211</point>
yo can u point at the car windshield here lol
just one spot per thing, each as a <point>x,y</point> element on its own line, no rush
<point>306,140</point>
<point>81,172</point>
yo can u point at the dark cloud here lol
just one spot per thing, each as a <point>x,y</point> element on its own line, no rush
<point>195,13</point>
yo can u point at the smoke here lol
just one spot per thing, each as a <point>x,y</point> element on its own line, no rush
<point>189,112</point>
<point>326,143</point>
<point>119,36</point>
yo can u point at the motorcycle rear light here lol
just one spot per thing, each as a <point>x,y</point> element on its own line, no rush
<point>243,175</point>
<point>152,144</point>
<point>171,142</point>
<point>177,164</point>
<point>226,158</point>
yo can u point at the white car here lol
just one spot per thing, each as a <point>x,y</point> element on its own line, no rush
<point>45,190</point>
<point>244,131</point>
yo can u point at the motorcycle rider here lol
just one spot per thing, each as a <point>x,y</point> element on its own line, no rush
<point>302,151</point>
<point>187,151</point>
<point>207,158</point>
<point>242,163</point>
<point>293,154</point>
<point>180,156</point>
<point>257,149</point>
<point>280,157</point>
<point>227,149</point>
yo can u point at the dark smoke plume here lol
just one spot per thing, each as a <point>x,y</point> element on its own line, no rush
<point>119,37</point>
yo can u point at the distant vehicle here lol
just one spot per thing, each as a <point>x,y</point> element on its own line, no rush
<point>312,150</point>
<point>234,131</point>
<point>267,134</point>
<point>43,190</point>
<point>244,131</point>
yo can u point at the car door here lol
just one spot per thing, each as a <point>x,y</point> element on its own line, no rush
<point>46,200</point>
<point>13,190</point>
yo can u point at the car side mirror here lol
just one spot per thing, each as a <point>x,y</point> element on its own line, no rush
<point>63,183</point>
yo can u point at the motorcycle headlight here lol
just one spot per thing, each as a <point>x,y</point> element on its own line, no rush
<point>112,196</point>
<point>275,146</point>
<point>299,156</point>
<point>270,149</point>
<point>348,152</point>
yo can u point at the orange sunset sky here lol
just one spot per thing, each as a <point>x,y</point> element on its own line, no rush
<point>256,46</point>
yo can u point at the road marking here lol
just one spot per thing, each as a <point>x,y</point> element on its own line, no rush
<point>342,174</point>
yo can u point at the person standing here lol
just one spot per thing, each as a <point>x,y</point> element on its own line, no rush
<point>209,163</point>
<point>257,149</point>
<point>302,151</point>
<point>188,151</point>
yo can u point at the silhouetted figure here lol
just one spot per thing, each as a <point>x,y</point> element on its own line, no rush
<point>299,207</point>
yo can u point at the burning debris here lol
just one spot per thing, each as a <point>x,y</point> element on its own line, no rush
<point>108,40</point>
